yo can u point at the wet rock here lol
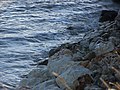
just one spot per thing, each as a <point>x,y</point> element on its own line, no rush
<point>108,15</point>
<point>57,49</point>
<point>83,81</point>
<point>36,76</point>
<point>47,85</point>
<point>43,62</point>
<point>70,28</point>
<point>73,47</point>
<point>89,56</point>
<point>102,47</point>
<point>71,76</point>
<point>117,19</point>
<point>116,1</point>
<point>92,87</point>
<point>61,61</point>
<point>77,56</point>
<point>102,67</point>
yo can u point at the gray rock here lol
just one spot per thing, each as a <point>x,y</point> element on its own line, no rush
<point>102,47</point>
<point>61,61</point>
<point>71,76</point>
<point>47,85</point>
<point>117,19</point>
<point>36,76</point>
<point>92,88</point>
<point>78,56</point>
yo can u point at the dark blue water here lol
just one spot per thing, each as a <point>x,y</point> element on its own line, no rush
<point>30,28</point>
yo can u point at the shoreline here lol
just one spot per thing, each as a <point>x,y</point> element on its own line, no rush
<point>89,64</point>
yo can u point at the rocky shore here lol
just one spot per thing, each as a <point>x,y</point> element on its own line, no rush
<point>91,64</point>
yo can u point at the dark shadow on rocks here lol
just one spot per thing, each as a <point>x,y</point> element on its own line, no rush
<point>107,15</point>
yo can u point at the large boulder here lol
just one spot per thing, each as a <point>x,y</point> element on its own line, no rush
<point>71,76</point>
<point>36,76</point>
<point>102,47</point>
<point>47,85</point>
<point>61,61</point>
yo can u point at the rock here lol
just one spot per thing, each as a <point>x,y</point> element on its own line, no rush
<point>72,47</point>
<point>57,49</point>
<point>71,76</point>
<point>36,76</point>
<point>102,47</point>
<point>108,15</point>
<point>102,67</point>
<point>92,87</point>
<point>117,19</point>
<point>70,28</point>
<point>47,85</point>
<point>89,56</point>
<point>61,61</point>
<point>116,1</point>
<point>43,62</point>
<point>77,56</point>
<point>83,81</point>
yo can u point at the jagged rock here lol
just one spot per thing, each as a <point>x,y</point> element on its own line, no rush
<point>36,76</point>
<point>108,15</point>
<point>102,47</point>
<point>57,49</point>
<point>73,47</point>
<point>71,76</point>
<point>61,61</point>
<point>78,56</point>
<point>102,67</point>
<point>89,56</point>
<point>47,85</point>
<point>43,62</point>
<point>117,19</point>
<point>84,81</point>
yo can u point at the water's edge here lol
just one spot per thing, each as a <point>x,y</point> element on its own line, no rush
<point>29,29</point>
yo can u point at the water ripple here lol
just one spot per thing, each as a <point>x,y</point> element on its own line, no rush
<point>30,28</point>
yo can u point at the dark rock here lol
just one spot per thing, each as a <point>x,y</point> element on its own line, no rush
<point>108,15</point>
<point>90,56</point>
<point>116,1</point>
<point>117,20</point>
<point>92,87</point>
<point>70,28</point>
<point>74,76</point>
<point>43,62</point>
<point>74,47</point>
<point>83,81</point>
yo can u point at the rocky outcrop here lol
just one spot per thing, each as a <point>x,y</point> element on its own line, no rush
<point>79,66</point>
